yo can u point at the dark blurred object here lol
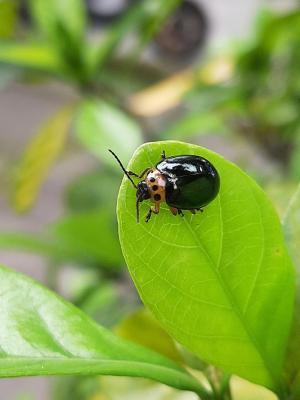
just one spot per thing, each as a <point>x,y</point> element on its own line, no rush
<point>101,11</point>
<point>261,100</point>
<point>24,12</point>
<point>184,32</point>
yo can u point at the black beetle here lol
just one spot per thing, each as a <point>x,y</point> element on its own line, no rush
<point>184,182</point>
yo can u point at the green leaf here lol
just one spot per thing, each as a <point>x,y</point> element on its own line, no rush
<point>93,234</point>
<point>221,283</point>
<point>41,334</point>
<point>39,157</point>
<point>30,55</point>
<point>291,224</point>
<point>28,243</point>
<point>101,126</point>
<point>86,193</point>
<point>44,245</point>
<point>63,24</point>
<point>146,16</point>
<point>142,328</point>
<point>52,14</point>
<point>8,18</point>
<point>86,237</point>
<point>196,124</point>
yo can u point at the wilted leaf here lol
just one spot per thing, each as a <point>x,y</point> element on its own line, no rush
<point>41,334</point>
<point>101,126</point>
<point>39,157</point>
<point>221,283</point>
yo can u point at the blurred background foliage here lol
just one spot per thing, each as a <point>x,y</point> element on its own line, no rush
<point>241,98</point>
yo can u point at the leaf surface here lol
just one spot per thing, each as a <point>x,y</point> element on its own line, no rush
<point>41,334</point>
<point>221,283</point>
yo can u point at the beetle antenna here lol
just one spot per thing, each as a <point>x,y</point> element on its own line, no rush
<point>138,209</point>
<point>123,169</point>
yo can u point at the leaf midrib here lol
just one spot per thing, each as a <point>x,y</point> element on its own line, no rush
<point>231,299</point>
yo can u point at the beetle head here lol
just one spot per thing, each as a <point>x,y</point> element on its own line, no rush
<point>142,193</point>
<point>142,190</point>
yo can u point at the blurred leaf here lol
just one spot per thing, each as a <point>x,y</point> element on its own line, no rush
<point>195,124</point>
<point>8,18</point>
<point>39,156</point>
<point>122,76</point>
<point>44,245</point>
<point>123,388</point>
<point>230,263</point>
<point>63,23</point>
<point>244,390</point>
<point>29,243</point>
<point>118,388</point>
<point>77,388</point>
<point>161,96</point>
<point>101,126</point>
<point>30,55</point>
<point>86,192</point>
<point>142,328</point>
<point>291,224</point>
<point>295,157</point>
<point>169,93</point>
<point>50,15</point>
<point>97,300</point>
<point>145,16</point>
<point>41,334</point>
<point>88,238</point>
<point>93,234</point>
<point>108,303</point>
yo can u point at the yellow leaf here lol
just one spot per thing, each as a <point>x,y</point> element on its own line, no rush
<point>168,94</point>
<point>38,158</point>
<point>142,328</point>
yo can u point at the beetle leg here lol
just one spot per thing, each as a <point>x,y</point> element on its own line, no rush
<point>180,212</point>
<point>144,172</point>
<point>148,216</point>
<point>194,210</point>
<point>163,155</point>
<point>174,210</point>
<point>154,210</point>
<point>132,173</point>
<point>138,175</point>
